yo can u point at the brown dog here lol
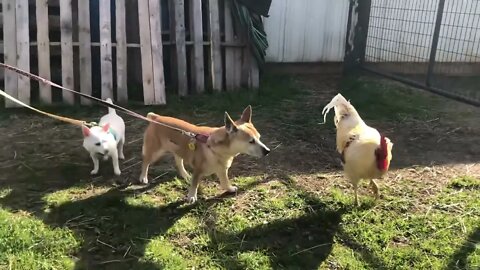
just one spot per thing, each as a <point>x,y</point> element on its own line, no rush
<point>215,156</point>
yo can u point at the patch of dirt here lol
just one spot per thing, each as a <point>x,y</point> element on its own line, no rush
<point>431,152</point>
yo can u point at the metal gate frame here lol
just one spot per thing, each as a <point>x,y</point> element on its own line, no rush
<point>356,43</point>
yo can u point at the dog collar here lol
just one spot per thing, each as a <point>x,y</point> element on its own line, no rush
<point>197,138</point>
<point>111,131</point>
<point>201,138</point>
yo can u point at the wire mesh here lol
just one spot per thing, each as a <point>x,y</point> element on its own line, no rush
<point>401,37</point>
<point>457,66</point>
<point>401,32</point>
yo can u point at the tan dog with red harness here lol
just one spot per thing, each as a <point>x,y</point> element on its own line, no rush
<point>212,151</point>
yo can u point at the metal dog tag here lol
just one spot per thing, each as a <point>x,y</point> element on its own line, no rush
<point>191,145</point>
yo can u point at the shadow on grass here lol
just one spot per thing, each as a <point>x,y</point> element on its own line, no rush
<point>459,258</point>
<point>293,243</point>
<point>303,242</point>
<point>117,233</point>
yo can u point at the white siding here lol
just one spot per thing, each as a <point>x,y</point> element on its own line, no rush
<point>307,30</point>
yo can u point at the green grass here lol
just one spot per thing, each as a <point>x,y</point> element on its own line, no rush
<point>406,240</point>
<point>27,243</point>
<point>292,211</point>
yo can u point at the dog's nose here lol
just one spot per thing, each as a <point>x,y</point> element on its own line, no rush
<point>266,151</point>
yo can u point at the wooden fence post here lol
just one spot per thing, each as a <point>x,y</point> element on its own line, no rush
<point>43,48</point>
<point>85,49</point>
<point>180,49</point>
<point>357,32</point>
<point>157,51</point>
<point>146,51</point>
<point>106,49</point>
<point>10,49</point>
<point>121,35</point>
<point>254,73</point>
<point>246,62</point>
<point>230,66</point>
<point>196,34</point>
<point>215,46</point>
<point>23,49</point>
<point>67,49</point>
<point>151,47</point>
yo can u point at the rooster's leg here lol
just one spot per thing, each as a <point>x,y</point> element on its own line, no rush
<point>374,187</point>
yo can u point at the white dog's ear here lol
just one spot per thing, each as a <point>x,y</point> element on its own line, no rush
<point>247,114</point>
<point>229,124</point>
<point>106,127</point>
<point>85,131</point>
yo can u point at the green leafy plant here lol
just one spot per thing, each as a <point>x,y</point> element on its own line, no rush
<point>250,23</point>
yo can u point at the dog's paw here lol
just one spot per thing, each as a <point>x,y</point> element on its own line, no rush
<point>143,180</point>
<point>117,172</point>
<point>122,157</point>
<point>186,176</point>
<point>191,199</point>
<point>93,172</point>
<point>232,189</point>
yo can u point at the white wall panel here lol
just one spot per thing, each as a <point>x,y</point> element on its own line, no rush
<point>307,30</point>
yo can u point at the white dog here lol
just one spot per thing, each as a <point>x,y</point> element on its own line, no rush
<point>106,139</point>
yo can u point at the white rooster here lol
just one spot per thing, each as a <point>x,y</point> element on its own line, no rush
<point>366,154</point>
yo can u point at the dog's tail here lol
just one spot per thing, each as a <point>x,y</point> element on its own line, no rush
<point>110,110</point>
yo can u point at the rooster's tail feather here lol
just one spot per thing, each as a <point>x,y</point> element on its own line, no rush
<point>336,101</point>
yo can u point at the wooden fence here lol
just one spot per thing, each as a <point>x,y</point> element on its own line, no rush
<point>123,49</point>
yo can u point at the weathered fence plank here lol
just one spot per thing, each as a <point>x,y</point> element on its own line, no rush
<point>215,46</point>
<point>180,49</point>
<point>23,49</point>
<point>10,49</point>
<point>146,51</point>
<point>85,50</point>
<point>172,49</point>
<point>238,54</point>
<point>157,52</point>
<point>121,35</point>
<point>254,74</point>
<point>43,47</point>
<point>239,66</point>
<point>229,51</point>
<point>67,49</point>
<point>106,49</point>
<point>196,33</point>
<point>245,74</point>
<point>247,69</point>
<point>250,77</point>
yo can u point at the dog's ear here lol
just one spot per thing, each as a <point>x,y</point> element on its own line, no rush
<point>229,124</point>
<point>85,131</point>
<point>106,127</point>
<point>247,114</point>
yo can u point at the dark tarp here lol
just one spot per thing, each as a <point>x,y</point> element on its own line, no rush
<point>260,7</point>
